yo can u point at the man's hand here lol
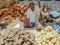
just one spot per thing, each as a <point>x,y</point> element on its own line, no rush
<point>28,20</point>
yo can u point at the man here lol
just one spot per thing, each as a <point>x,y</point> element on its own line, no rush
<point>32,14</point>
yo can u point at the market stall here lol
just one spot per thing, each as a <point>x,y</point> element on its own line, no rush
<point>29,24</point>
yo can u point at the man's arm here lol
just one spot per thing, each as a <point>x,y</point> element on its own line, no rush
<point>39,3</point>
<point>28,17</point>
<point>40,16</point>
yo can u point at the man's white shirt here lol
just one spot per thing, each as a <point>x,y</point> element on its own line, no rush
<point>32,15</point>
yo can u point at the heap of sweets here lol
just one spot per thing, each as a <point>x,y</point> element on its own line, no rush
<point>48,36</point>
<point>17,37</point>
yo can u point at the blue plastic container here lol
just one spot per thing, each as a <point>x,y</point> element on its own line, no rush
<point>57,28</point>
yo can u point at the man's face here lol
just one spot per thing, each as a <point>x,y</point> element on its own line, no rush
<point>32,6</point>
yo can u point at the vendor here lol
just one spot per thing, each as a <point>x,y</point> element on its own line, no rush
<point>32,14</point>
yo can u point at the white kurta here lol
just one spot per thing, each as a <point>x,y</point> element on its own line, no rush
<point>31,15</point>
